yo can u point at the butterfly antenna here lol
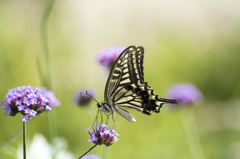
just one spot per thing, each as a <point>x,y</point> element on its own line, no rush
<point>91,96</point>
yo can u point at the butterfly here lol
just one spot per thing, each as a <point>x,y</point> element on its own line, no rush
<point>126,88</point>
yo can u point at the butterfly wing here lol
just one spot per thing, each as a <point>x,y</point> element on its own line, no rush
<point>126,88</point>
<point>118,79</point>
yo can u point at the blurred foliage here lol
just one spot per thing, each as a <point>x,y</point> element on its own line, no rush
<point>213,68</point>
<point>208,59</point>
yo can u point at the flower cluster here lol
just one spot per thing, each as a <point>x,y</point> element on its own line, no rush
<point>185,94</point>
<point>108,56</point>
<point>25,100</point>
<point>101,135</point>
<point>82,98</point>
<point>53,101</point>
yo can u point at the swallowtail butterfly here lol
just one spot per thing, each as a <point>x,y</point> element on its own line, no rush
<point>126,88</point>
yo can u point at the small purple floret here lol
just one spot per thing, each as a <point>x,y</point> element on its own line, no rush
<point>101,135</point>
<point>106,57</point>
<point>185,94</point>
<point>49,96</point>
<point>25,100</point>
<point>82,99</point>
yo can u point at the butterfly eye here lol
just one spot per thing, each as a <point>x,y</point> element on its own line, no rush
<point>99,105</point>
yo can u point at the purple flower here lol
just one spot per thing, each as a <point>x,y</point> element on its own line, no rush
<point>185,94</point>
<point>101,135</point>
<point>51,97</point>
<point>106,57</point>
<point>25,100</point>
<point>82,99</point>
<point>91,157</point>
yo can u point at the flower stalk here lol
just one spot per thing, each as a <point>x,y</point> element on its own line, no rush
<point>44,23</point>
<point>191,133</point>
<point>24,140</point>
<point>45,69</point>
<point>187,96</point>
<point>106,152</point>
<point>90,149</point>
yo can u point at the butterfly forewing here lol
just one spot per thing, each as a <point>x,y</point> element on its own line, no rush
<point>119,75</point>
<point>126,88</point>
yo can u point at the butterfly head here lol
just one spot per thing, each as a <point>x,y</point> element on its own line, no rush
<point>104,107</point>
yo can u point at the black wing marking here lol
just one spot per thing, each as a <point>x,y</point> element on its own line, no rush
<point>126,87</point>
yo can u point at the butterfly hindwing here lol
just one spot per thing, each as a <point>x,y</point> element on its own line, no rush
<point>126,88</point>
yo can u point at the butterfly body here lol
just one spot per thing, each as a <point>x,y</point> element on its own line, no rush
<point>126,88</point>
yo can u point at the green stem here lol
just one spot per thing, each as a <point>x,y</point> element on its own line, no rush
<point>88,151</point>
<point>191,132</point>
<point>106,152</point>
<point>44,24</point>
<point>52,124</point>
<point>45,69</point>
<point>24,140</point>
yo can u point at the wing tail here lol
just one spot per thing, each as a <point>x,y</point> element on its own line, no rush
<point>125,114</point>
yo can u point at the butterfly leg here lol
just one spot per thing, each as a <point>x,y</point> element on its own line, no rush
<point>108,115</point>
<point>101,116</point>
<point>107,118</point>
<point>96,119</point>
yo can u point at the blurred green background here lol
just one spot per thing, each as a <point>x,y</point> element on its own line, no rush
<point>184,41</point>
